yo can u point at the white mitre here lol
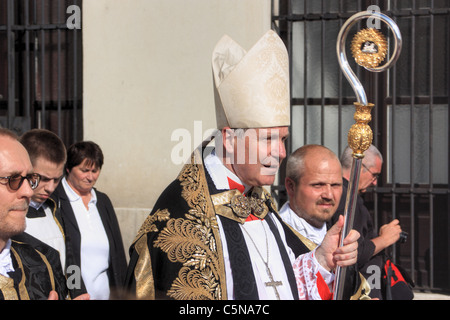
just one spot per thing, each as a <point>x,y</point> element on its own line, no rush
<point>251,88</point>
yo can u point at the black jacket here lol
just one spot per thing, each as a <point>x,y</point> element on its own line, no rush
<point>362,224</point>
<point>37,269</point>
<point>118,263</point>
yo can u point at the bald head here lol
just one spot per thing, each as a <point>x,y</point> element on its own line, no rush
<point>14,157</point>
<point>310,154</point>
<point>314,183</point>
<point>14,160</point>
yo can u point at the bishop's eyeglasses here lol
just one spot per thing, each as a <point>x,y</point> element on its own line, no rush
<point>15,181</point>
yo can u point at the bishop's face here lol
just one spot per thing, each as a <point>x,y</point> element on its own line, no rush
<point>257,154</point>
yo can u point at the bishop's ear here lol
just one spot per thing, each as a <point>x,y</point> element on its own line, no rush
<point>228,140</point>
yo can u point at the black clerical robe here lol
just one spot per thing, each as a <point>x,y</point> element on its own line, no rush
<point>177,253</point>
<point>117,259</point>
<point>37,271</point>
<point>362,223</point>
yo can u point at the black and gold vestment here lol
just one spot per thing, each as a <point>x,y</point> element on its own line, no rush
<point>37,271</point>
<point>177,253</point>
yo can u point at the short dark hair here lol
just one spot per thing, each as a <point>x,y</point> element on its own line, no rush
<point>44,143</point>
<point>84,150</point>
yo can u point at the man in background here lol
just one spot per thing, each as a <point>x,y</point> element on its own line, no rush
<point>370,244</point>
<point>314,186</point>
<point>26,272</point>
<point>48,157</point>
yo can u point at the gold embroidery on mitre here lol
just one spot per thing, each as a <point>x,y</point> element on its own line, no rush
<point>369,48</point>
<point>192,242</point>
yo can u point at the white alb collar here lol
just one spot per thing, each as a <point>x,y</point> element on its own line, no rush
<point>219,173</point>
<point>5,260</point>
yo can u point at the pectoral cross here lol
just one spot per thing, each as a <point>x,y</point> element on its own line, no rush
<point>273,283</point>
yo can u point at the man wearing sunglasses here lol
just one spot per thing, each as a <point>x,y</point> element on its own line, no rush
<point>18,260</point>
<point>26,272</point>
<point>370,243</point>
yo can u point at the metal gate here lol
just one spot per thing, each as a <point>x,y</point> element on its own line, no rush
<point>410,117</point>
<point>41,66</point>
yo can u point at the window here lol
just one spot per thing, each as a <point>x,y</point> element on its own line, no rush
<point>41,68</point>
<point>410,120</point>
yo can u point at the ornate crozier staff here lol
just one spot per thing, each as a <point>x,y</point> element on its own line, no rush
<point>369,49</point>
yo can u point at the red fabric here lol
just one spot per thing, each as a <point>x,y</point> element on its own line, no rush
<point>396,276</point>
<point>322,287</point>
<point>251,217</point>
<point>234,185</point>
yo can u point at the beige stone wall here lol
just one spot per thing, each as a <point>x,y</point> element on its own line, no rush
<point>147,73</point>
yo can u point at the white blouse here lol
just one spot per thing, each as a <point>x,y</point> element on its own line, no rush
<point>94,244</point>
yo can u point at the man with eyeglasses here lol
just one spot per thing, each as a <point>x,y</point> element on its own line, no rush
<point>370,244</point>
<point>26,273</point>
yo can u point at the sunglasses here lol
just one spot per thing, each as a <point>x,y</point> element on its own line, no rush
<point>15,181</point>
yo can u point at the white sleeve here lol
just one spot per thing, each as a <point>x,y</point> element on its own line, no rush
<point>313,281</point>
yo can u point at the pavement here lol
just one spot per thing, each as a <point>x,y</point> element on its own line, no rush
<point>430,296</point>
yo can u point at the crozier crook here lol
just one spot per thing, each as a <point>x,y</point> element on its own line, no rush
<point>369,49</point>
